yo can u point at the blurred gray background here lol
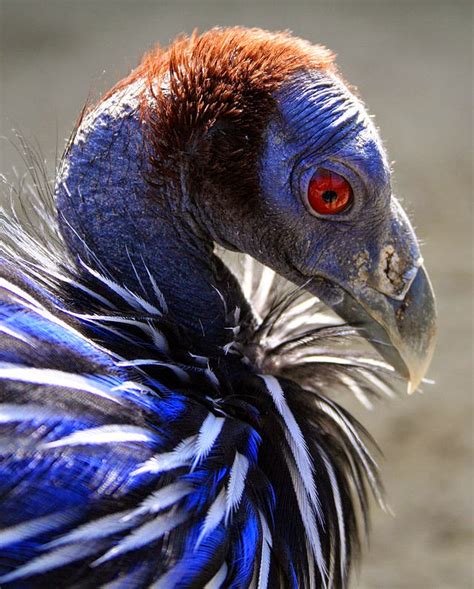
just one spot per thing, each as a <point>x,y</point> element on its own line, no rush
<point>412,62</point>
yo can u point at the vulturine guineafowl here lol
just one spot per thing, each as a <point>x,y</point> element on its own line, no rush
<point>163,422</point>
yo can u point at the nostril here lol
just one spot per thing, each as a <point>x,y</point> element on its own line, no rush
<point>394,274</point>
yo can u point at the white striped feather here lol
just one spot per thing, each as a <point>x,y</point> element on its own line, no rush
<point>22,295</point>
<point>214,516</point>
<point>308,519</point>
<point>179,372</point>
<point>265,558</point>
<point>217,581</point>
<point>159,295</point>
<point>129,581</point>
<point>104,434</point>
<point>247,278</point>
<point>158,338</point>
<point>178,457</point>
<point>237,312</point>
<point>134,268</point>
<point>368,462</point>
<point>345,361</point>
<point>88,291</point>
<point>354,387</point>
<point>311,570</point>
<point>295,440</point>
<point>98,528</point>
<point>52,560</point>
<point>339,511</point>
<point>134,300</point>
<point>236,484</point>
<point>99,318</point>
<point>30,303</point>
<point>229,348</point>
<point>13,231</point>
<point>10,413</point>
<point>201,361</point>
<point>15,334</point>
<point>307,322</point>
<point>303,476</point>
<point>146,327</point>
<point>90,252</point>
<point>161,499</point>
<point>260,297</point>
<point>52,276</point>
<point>34,527</point>
<point>134,387</point>
<point>145,534</point>
<point>57,378</point>
<point>208,433</point>
<point>378,382</point>
<point>302,307</point>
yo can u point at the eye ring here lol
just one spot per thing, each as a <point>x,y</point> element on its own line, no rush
<point>329,193</point>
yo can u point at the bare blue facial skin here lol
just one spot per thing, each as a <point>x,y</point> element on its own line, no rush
<point>364,262</point>
<point>321,125</point>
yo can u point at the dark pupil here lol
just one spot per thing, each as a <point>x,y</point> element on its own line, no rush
<point>329,196</point>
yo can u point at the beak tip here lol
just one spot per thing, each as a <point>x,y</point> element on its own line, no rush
<point>419,360</point>
<point>417,373</point>
<point>403,332</point>
<point>411,387</point>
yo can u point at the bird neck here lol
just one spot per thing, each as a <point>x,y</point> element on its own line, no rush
<point>145,239</point>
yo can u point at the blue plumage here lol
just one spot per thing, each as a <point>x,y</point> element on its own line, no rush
<point>164,422</point>
<point>106,466</point>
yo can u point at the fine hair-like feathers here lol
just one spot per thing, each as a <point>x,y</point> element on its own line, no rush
<point>207,99</point>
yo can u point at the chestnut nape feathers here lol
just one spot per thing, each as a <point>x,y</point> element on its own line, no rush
<point>220,258</point>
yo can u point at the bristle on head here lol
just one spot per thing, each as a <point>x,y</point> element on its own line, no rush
<point>208,97</point>
<point>247,58</point>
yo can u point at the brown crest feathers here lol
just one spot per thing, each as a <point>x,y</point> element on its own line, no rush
<point>209,96</point>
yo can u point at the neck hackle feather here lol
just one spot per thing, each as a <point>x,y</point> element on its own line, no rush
<point>141,479</point>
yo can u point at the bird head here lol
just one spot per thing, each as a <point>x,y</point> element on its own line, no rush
<point>284,163</point>
<point>254,140</point>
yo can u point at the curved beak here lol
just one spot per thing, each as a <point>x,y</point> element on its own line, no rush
<point>402,331</point>
<point>383,289</point>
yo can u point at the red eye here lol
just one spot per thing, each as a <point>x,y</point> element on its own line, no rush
<point>329,193</point>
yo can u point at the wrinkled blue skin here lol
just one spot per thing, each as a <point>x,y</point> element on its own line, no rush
<point>106,208</point>
<point>364,262</point>
<point>319,127</point>
<point>318,124</point>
